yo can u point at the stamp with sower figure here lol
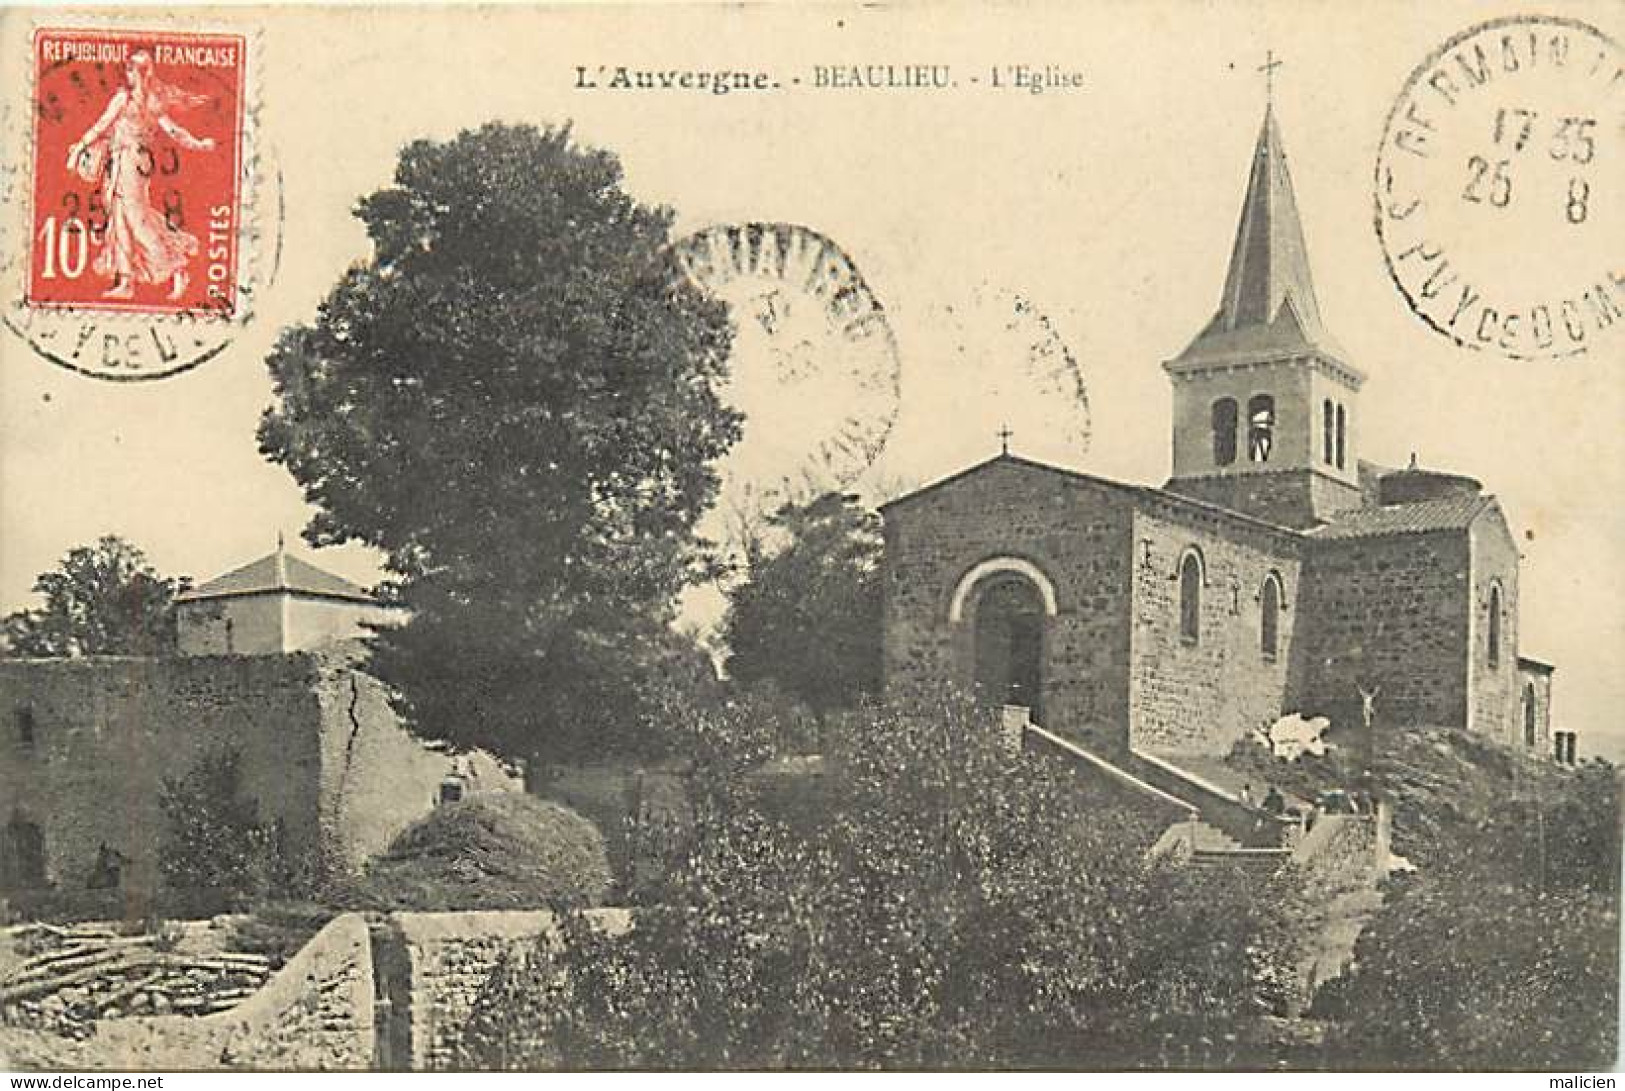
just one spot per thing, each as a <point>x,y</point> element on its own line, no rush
<point>139,205</point>
<point>136,150</point>
<point>1498,188</point>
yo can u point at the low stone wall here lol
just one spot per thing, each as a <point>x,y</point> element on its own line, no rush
<point>1341,860</point>
<point>452,955</point>
<point>315,1014</point>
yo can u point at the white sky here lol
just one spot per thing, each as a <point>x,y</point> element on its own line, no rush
<point>1111,208</point>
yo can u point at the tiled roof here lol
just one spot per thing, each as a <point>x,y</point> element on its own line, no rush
<point>279,572</point>
<point>1447,513</point>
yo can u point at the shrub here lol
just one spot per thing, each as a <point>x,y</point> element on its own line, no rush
<point>960,905</point>
<point>278,929</point>
<point>1504,952</point>
<point>497,851</point>
<point>216,852</point>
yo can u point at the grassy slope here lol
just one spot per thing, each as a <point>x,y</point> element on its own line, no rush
<point>1438,780</point>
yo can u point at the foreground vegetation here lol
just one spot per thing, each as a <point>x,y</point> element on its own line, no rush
<point>957,904</point>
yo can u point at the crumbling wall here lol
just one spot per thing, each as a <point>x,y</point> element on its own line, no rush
<point>452,955</point>
<point>315,1014</point>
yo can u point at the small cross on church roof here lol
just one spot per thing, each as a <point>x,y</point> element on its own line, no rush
<point>1004,435</point>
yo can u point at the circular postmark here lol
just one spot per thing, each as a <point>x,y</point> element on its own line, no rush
<point>814,366</point>
<point>1498,188</point>
<point>997,361</point>
<point>134,229</point>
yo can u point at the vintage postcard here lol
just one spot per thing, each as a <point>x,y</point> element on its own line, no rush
<point>692,537</point>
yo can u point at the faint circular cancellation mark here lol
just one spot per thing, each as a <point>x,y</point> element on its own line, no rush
<point>1498,188</point>
<point>814,365</point>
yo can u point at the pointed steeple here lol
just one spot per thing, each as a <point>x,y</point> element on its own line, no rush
<point>1269,265</point>
<point>1268,307</point>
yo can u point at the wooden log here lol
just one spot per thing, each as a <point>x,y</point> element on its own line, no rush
<point>41,971</point>
<point>55,982</point>
<point>129,989</point>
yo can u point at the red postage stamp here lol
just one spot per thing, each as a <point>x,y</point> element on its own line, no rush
<point>137,177</point>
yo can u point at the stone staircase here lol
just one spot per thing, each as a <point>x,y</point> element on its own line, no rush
<point>1246,824</point>
<point>1209,830</point>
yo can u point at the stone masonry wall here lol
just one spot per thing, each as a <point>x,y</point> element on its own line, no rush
<point>240,625</point>
<point>1075,531</point>
<point>1391,612</point>
<point>315,1014</point>
<point>321,750</point>
<point>1496,694</point>
<point>1288,498</point>
<point>108,731</point>
<point>1541,681</point>
<point>376,778</point>
<point>1202,696</point>
<point>452,955</point>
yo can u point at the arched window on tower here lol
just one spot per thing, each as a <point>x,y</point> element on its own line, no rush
<point>1328,430</point>
<point>1342,436</point>
<point>1494,627</point>
<point>1269,616</point>
<point>1190,597</point>
<point>1260,427</point>
<point>1224,431</point>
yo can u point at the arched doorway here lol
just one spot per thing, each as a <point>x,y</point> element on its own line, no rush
<point>1008,636</point>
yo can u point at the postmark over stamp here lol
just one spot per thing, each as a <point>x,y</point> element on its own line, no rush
<point>133,229</point>
<point>1498,188</point>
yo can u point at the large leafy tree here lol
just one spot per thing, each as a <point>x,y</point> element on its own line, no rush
<point>807,615</point>
<point>102,599</point>
<point>514,399</point>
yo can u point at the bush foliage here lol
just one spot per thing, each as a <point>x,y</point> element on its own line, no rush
<point>492,851</point>
<point>217,853</point>
<point>960,906</point>
<point>1504,953</point>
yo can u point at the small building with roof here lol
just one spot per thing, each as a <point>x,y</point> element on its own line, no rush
<point>267,672</point>
<point>276,605</point>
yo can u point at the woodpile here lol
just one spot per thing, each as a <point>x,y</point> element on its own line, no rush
<point>73,976</point>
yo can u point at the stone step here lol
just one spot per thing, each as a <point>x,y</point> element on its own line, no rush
<point>1262,862</point>
<point>1206,837</point>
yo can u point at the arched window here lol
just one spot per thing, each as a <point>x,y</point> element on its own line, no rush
<point>1269,616</point>
<point>1260,427</point>
<point>1531,715</point>
<point>1190,597</point>
<point>1342,436</point>
<point>1495,625</point>
<point>1224,431</point>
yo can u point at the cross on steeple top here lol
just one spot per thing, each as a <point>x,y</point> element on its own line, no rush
<point>1268,68</point>
<point>1004,435</point>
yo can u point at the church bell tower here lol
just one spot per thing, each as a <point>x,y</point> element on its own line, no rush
<point>1265,402</point>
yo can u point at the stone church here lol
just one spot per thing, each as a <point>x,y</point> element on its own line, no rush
<point>1275,572</point>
